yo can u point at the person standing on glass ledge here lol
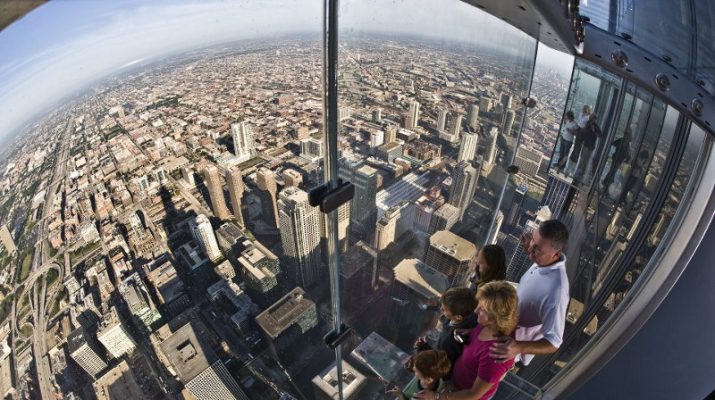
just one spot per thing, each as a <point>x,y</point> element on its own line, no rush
<point>543,297</point>
<point>568,134</point>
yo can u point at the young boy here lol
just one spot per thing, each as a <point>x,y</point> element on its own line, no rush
<point>457,306</point>
<point>430,367</point>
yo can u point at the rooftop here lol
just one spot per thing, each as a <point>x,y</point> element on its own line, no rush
<point>421,278</point>
<point>118,383</point>
<point>453,245</point>
<point>284,313</point>
<point>327,380</point>
<point>187,350</point>
<point>380,356</point>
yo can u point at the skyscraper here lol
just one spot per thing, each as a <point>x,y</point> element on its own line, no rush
<point>451,255</point>
<point>508,123</point>
<point>490,155</point>
<point>243,141</point>
<point>113,335</point>
<point>444,218</point>
<point>343,228</point>
<point>441,119</point>
<point>300,234</point>
<point>468,147</point>
<point>390,134</point>
<point>364,209</point>
<point>473,116</point>
<point>377,138</point>
<point>139,302</point>
<point>266,182</point>
<point>203,234</point>
<point>516,204</point>
<point>213,183</point>
<point>413,115</point>
<point>377,116</point>
<point>235,192</point>
<point>506,100</point>
<point>311,149</point>
<point>494,232</point>
<point>86,352</point>
<point>457,125</point>
<point>464,184</point>
<point>559,195</point>
<point>197,366</point>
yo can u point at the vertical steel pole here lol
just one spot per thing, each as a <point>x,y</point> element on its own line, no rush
<point>330,124</point>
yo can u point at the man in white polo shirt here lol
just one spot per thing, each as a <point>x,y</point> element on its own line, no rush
<point>543,297</point>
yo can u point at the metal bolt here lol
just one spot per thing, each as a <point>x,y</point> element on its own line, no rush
<point>662,81</point>
<point>620,58</point>
<point>697,106</point>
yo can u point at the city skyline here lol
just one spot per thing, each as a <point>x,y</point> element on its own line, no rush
<point>86,42</point>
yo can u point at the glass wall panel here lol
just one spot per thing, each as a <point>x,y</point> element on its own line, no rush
<point>429,123</point>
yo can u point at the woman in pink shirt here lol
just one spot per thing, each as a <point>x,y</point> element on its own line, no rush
<point>476,375</point>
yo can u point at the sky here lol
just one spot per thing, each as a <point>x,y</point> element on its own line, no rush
<point>64,44</point>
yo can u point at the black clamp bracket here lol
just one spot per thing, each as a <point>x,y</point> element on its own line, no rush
<point>330,200</point>
<point>333,339</point>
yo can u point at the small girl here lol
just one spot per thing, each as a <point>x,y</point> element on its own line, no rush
<point>429,367</point>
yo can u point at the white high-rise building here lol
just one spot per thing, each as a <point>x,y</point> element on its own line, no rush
<point>491,151</point>
<point>300,233</point>
<point>243,145</point>
<point>311,149</point>
<point>86,352</point>
<point>457,125</point>
<point>468,147</point>
<point>377,138</point>
<point>113,336</point>
<point>473,116</point>
<point>204,235</point>
<point>413,115</point>
<point>464,184</point>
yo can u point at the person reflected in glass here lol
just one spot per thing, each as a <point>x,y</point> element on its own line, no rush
<point>457,306</point>
<point>475,374</point>
<point>621,154</point>
<point>491,266</point>
<point>578,140</point>
<point>568,134</point>
<point>543,297</point>
<point>430,368</point>
<point>635,176</point>
<point>589,135</point>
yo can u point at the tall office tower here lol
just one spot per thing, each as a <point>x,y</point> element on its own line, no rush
<point>113,336</point>
<point>416,287</point>
<point>300,234</point>
<point>235,192</point>
<point>358,275</point>
<point>473,116</point>
<point>86,352</point>
<point>6,369</point>
<point>311,149</point>
<point>292,177</point>
<point>520,262</point>
<point>506,100</point>
<point>364,208</point>
<point>188,175</point>
<point>444,218</point>
<point>197,366</point>
<point>468,147</point>
<point>517,203</point>
<point>413,115</point>
<point>451,255</point>
<point>142,308</point>
<point>343,229</point>
<point>464,184</point>
<point>485,104</point>
<point>509,123</point>
<point>456,125</point>
<point>326,383</point>
<point>120,383</point>
<point>493,234</point>
<point>377,116</point>
<point>6,239</point>
<point>213,183</point>
<point>441,120</point>
<point>490,156</point>
<point>377,138</point>
<point>203,233</point>
<point>528,161</point>
<point>559,195</point>
<point>243,145</point>
<point>390,134</point>
<point>266,182</point>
